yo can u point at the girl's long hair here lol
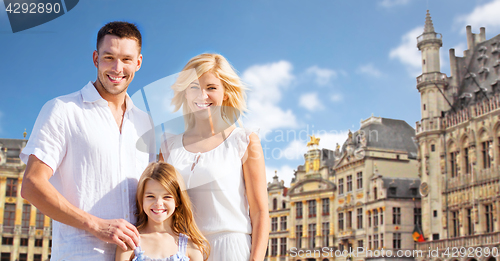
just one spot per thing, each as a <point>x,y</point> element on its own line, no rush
<point>232,108</point>
<point>182,218</point>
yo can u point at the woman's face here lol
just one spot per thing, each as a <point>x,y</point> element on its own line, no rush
<point>207,92</point>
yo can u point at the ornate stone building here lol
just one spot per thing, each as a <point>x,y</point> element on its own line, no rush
<point>26,232</point>
<point>364,194</point>
<point>459,146</point>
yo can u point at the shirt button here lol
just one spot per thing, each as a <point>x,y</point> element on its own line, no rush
<point>124,190</point>
<point>126,216</point>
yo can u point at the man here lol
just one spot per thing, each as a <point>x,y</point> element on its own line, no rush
<point>85,144</point>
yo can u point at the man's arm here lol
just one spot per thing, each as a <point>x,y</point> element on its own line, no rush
<point>37,189</point>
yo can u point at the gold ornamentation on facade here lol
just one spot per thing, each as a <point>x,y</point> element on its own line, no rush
<point>360,195</point>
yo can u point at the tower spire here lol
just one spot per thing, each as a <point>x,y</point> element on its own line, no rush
<point>429,27</point>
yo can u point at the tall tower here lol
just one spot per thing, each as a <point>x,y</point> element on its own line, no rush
<point>432,85</point>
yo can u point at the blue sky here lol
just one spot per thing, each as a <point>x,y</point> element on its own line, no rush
<point>313,67</point>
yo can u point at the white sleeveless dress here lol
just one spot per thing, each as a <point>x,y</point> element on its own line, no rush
<point>215,184</point>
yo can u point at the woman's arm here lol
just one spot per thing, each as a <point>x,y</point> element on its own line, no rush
<point>254,173</point>
<point>121,255</point>
<point>193,252</point>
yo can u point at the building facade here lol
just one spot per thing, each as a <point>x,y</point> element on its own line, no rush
<point>361,196</point>
<point>459,147</point>
<point>26,232</point>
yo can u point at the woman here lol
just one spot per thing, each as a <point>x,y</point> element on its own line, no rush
<point>222,165</point>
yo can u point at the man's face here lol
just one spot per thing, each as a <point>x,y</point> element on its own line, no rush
<point>117,61</point>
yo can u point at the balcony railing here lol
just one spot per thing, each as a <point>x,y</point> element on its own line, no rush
<point>430,124</point>
<point>483,240</point>
<point>432,77</point>
<point>475,178</point>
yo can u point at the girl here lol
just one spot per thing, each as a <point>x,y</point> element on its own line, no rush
<point>164,220</point>
<point>222,165</point>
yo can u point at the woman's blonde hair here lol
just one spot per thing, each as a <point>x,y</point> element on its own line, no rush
<point>232,108</point>
<point>182,218</point>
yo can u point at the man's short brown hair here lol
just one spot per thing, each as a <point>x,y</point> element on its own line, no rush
<point>120,29</point>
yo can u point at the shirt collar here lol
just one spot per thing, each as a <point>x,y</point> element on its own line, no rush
<point>91,95</point>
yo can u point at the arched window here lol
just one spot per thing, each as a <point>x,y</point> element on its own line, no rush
<point>275,204</point>
<point>375,193</point>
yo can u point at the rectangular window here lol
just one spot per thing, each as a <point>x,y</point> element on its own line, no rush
<point>39,219</point>
<point>326,234</point>
<point>370,242</point>
<point>485,153</point>
<point>298,210</point>
<point>349,220</point>
<point>5,257</point>
<point>274,224</point>
<point>369,218</point>
<point>466,161</point>
<point>381,217</point>
<point>312,208</point>
<point>359,180</point>
<point>24,242</point>
<point>274,246</point>
<point>26,216</point>
<point>375,218</point>
<point>349,183</point>
<point>381,240</point>
<point>312,235</point>
<point>360,218</point>
<point>283,223</point>
<point>283,246</point>
<point>453,164</point>
<point>341,186</point>
<point>11,190</point>
<point>298,236</point>
<point>325,206</point>
<point>341,221</point>
<point>417,216</point>
<point>375,241</point>
<point>360,243</point>
<point>396,240</point>
<point>489,217</point>
<point>37,257</point>
<point>7,241</point>
<point>23,257</point>
<point>470,226</point>
<point>9,215</point>
<point>396,216</point>
<point>38,242</point>
<point>455,224</point>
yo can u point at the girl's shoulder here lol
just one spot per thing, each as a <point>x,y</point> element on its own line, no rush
<point>192,250</point>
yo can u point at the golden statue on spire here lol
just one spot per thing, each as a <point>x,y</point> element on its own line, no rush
<point>313,141</point>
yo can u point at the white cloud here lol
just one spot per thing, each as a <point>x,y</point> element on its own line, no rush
<point>267,83</point>
<point>336,97</point>
<point>407,52</point>
<point>311,102</point>
<point>392,3</point>
<point>323,76</point>
<point>328,140</point>
<point>485,15</point>
<point>370,70</point>
<point>284,172</point>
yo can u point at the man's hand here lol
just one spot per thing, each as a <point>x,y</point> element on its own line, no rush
<point>117,231</point>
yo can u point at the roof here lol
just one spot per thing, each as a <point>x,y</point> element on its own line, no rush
<point>14,146</point>
<point>478,73</point>
<point>387,134</point>
<point>401,187</point>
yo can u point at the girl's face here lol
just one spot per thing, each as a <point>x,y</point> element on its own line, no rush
<point>205,93</point>
<point>157,202</point>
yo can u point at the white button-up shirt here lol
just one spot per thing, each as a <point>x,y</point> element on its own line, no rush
<point>96,168</point>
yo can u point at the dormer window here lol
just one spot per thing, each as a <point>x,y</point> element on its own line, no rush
<point>392,191</point>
